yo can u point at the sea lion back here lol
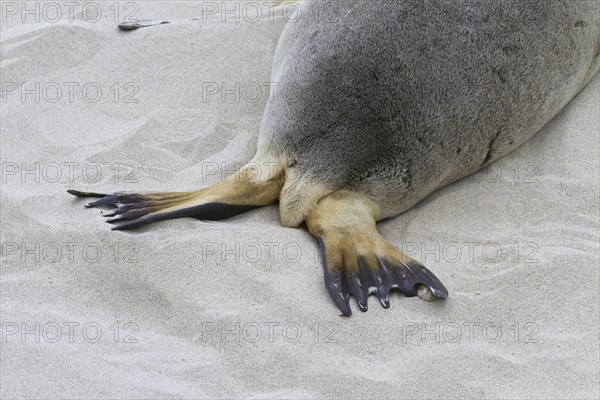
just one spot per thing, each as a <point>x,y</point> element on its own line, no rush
<point>393,99</point>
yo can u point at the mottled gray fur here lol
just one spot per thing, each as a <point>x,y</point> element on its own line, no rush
<point>394,99</point>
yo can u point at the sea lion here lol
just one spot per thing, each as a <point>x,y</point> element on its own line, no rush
<point>394,96</point>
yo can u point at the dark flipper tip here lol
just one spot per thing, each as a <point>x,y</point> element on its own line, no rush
<point>131,224</point>
<point>136,222</point>
<point>85,194</point>
<point>338,292</point>
<point>378,276</point>
<point>334,284</point>
<point>420,278</point>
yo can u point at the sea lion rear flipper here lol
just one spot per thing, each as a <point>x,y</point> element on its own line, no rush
<point>235,195</point>
<point>357,261</point>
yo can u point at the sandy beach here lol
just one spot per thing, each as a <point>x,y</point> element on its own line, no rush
<point>238,308</point>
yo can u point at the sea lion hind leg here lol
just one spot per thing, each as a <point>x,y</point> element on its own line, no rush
<point>235,195</point>
<point>357,261</point>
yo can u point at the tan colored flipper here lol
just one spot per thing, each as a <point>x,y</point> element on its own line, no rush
<point>358,261</point>
<point>239,193</point>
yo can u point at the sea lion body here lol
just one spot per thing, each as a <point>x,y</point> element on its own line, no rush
<point>394,99</point>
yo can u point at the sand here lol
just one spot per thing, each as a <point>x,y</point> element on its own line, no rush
<point>238,309</point>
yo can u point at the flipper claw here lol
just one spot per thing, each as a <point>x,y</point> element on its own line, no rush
<point>117,199</point>
<point>85,194</point>
<point>338,293</point>
<point>355,287</point>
